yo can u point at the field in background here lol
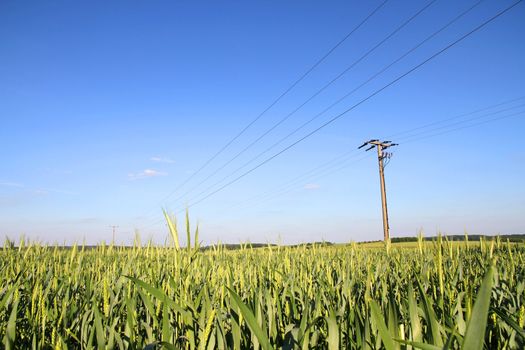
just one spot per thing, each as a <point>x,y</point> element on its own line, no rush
<point>400,245</point>
<point>440,293</point>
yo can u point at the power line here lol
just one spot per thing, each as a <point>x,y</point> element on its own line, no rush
<point>331,166</point>
<point>322,167</point>
<point>461,122</point>
<point>286,117</point>
<point>291,185</point>
<point>361,102</point>
<point>415,138</point>
<point>331,106</point>
<point>397,135</point>
<point>282,95</point>
<point>284,189</point>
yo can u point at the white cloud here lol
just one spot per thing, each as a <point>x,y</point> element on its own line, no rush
<point>159,159</point>
<point>145,174</point>
<point>312,187</point>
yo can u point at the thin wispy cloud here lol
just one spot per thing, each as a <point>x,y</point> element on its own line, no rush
<point>312,187</point>
<point>81,220</point>
<point>11,184</point>
<point>54,171</point>
<point>54,190</point>
<point>147,173</point>
<point>33,190</point>
<point>159,159</point>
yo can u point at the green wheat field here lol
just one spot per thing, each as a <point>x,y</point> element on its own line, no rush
<point>428,295</point>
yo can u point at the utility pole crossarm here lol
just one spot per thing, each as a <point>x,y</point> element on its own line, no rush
<point>381,155</point>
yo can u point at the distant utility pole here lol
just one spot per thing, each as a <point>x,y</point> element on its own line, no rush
<point>114,227</point>
<point>381,155</point>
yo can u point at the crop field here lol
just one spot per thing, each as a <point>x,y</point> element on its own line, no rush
<point>434,296</point>
<point>438,295</point>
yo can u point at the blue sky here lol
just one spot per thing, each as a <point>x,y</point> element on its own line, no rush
<point>108,107</point>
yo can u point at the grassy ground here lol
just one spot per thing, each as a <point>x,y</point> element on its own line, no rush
<point>393,296</point>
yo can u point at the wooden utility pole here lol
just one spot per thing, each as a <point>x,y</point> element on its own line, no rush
<point>381,155</point>
<point>114,227</point>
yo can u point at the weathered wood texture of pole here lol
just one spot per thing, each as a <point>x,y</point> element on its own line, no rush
<point>380,157</point>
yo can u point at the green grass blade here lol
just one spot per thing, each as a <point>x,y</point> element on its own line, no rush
<point>250,319</point>
<point>172,226</point>
<point>379,321</point>
<point>415,323</point>
<point>196,242</point>
<point>166,328</point>
<point>188,233</point>
<point>158,293</point>
<point>99,330</point>
<point>475,334</point>
<point>10,332</point>
<point>431,319</point>
<point>333,332</point>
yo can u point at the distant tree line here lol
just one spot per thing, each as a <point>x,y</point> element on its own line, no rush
<point>511,238</point>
